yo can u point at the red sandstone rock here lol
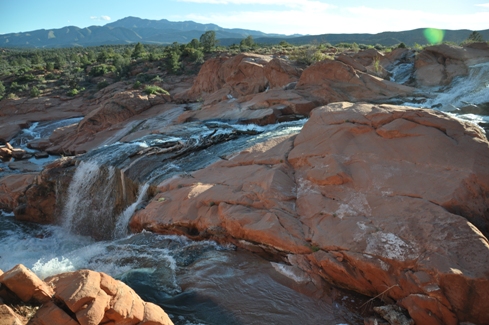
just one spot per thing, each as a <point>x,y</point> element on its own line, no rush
<point>154,316</point>
<point>439,64</point>
<point>8,316</point>
<point>26,285</point>
<point>279,73</point>
<point>98,298</point>
<point>12,187</point>
<point>50,314</point>
<point>16,114</point>
<point>332,81</point>
<point>392,198</point>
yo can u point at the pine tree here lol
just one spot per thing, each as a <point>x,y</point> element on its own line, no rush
<point>208,41</point>
<point>138,51</point>
<point>474,37</point>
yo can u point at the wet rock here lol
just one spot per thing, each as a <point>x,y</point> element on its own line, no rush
<point>24,166</point>
<point>38,203</point>
<point>26,285</point>
<point>12,187</point>
<point>440,64</point>
<point>39,144</point>
<point>40,155</point>
<point>111,109</point>
<point>16,114</point>
<point>380,199</point>
<point>18,153</point>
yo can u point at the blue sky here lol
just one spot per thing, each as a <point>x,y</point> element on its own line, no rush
<point>271,16</point>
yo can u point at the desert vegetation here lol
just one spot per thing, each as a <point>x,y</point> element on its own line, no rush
<point>77,70</point>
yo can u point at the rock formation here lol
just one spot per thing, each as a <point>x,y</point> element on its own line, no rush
<point>379,199</point>
<point>82,297</point>
<point>439,64</point>
<point>384,200</point>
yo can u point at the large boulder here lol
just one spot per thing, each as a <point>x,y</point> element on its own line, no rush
<point>82,297</point>
<point>26,285</point>
<point>241,75</point>
<point>332,81</point>
<point>116,106</point>
<point>12,187</point>
<point>16,114</point>
<point>438,65</point>
<point>9,317</point>
<point>380,199</point>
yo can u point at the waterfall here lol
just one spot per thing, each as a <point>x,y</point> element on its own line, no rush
<point>79,197</point>
<point>96,197</point>
<point>123,220</point>
<point>463,91</point>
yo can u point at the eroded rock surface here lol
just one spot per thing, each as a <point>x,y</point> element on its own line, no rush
<point>82,297</point>
<point>379,199</point>
<point>440,64</point>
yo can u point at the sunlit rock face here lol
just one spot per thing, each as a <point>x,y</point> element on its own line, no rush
<point>438,65</point>
<point>366,196</point>
<point>82,297</point>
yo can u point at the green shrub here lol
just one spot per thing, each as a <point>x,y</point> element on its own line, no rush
<point>2,90</point>
<point>72,92</point>
<point>101,70</point>
<point>136,85</point>
<point>154,90</point>
<point>35,92</point>
<point>104,83</point>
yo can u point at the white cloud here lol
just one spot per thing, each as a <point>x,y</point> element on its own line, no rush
<point>485,5</point>
<point>106,18</point>
<point>308,20</point>
<point>303,5</point>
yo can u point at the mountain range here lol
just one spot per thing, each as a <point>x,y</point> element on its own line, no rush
<point>132,30</point>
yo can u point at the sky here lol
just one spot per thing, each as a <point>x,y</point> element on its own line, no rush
<point>271,16</point>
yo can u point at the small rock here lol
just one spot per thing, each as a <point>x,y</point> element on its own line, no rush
<point>40,155</point>
<point>18,153</point>
<point>8,316</point>
<point>24,166</point>
<point>394,315</point>
<point>26,285</point>
<point>50,314</point>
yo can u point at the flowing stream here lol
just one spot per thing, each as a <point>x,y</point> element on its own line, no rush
<point>195,282</point>
<point>466,97</point>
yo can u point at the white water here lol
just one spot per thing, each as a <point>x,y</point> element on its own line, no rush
<point>196,283</point>
<point>39,130</point>
<point>462,92</point>
<point>80,194</point>
<point>402,72</point>
<point>123,220</point>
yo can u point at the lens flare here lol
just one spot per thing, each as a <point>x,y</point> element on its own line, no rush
<point>433,35</point>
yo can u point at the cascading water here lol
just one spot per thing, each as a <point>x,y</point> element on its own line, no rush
<point>463,96</point>
<point>195,282</point>
<point>90,202</point>
<point>123,220</point>
<point>39,130</point>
